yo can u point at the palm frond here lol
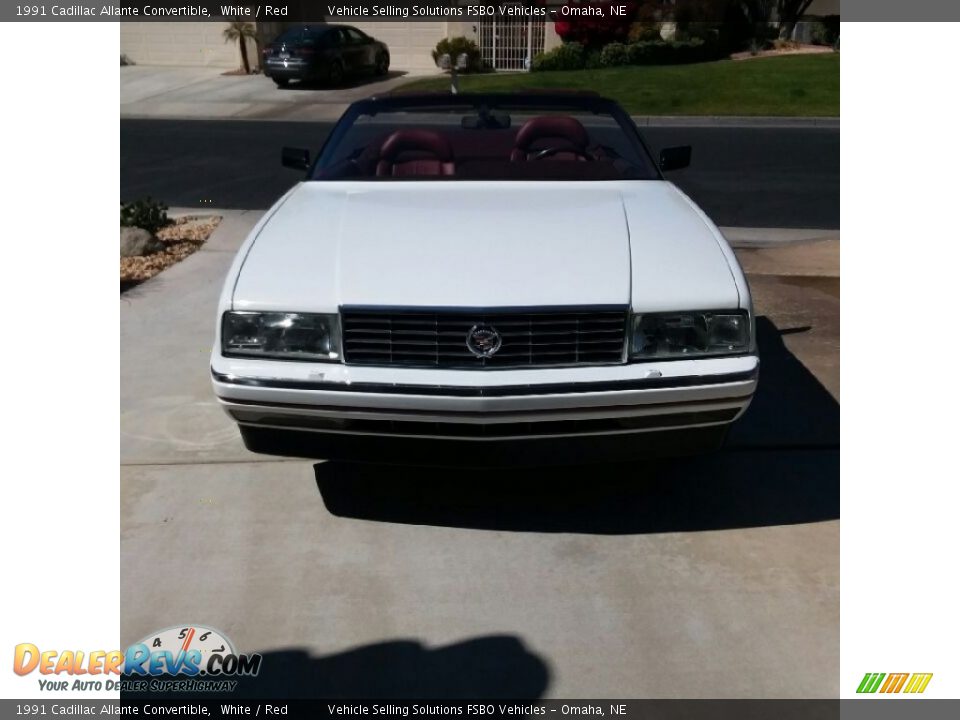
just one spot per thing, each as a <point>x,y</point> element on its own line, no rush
<point>236,30</point>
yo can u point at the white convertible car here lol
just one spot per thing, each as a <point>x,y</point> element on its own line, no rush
<point>484,279</point>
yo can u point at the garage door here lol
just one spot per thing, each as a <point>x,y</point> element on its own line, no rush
<point>180,43</point>
<point>410,43</point>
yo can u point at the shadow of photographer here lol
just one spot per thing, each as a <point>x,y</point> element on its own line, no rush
<point>493,666</point>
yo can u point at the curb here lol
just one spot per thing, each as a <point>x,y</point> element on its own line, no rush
<point>735,121</point>
<point>332,112</point>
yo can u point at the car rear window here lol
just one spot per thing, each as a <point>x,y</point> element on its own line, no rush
<point>301,35</point>
<point>354,35</point>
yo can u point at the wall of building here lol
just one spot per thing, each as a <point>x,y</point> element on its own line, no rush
<point>202,44</point>
<point>181,43</point>
<point>550,37</point>
<point>819,8</point>
<point>410,43</point>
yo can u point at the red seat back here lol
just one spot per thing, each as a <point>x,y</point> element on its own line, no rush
<point>567,130</point>
<point>415,144</point>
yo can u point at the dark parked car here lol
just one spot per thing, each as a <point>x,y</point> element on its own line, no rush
<point>323,52</point>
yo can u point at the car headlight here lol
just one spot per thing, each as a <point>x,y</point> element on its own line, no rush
<point>287,336</point>
<point>689,334</point>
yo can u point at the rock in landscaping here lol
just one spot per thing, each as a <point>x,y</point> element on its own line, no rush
<point>135,242</point>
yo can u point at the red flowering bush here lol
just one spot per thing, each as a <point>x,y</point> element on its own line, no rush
<point>596,30</point>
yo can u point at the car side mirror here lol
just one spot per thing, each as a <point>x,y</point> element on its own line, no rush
<point>296,158</point>
<point>675,158</point>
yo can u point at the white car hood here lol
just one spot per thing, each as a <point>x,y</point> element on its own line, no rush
<point>481,244</point>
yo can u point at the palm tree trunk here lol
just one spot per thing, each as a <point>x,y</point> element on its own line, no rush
<point>243,55</point>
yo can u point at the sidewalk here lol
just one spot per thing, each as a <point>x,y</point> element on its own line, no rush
<point>735,121</point>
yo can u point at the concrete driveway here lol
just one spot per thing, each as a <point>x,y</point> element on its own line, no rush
<point>716,577</point>
<point>196,93</point>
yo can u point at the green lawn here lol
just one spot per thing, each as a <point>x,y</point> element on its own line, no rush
<point>807,85</point>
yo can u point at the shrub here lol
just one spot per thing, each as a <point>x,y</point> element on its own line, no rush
<point>827,31</point>
<point>746,21</point>
<point>572,56</point>
<point>148,214</point>
<point>614,55</point>
<point>591,60</point>
<point>644,32</point>
<point>638,53</point>
<point>710,33</point>
<point>457,46</point>
<point>693,51</point>
<point>569,56</point>
<point>676,52</point>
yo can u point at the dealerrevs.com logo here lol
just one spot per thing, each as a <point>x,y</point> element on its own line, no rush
<point>190,658</point>
<point>909,683</point>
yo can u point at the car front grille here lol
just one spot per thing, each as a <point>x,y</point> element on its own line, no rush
<point>527,338</point>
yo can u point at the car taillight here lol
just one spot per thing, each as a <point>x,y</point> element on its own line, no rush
<point>306,51</point>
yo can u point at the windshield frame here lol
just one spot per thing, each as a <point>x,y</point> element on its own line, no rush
<point>579,102</point>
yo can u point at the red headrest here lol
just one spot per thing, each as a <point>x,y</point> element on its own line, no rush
<point>425,141</point>
<point>552,126</point>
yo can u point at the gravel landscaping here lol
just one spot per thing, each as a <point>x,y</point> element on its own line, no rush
<point>182,237</point>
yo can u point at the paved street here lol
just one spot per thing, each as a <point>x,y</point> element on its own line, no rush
<point>711,577</point>
<point>786,177</point>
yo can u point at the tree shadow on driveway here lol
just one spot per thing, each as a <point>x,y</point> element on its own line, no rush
<point>781,466</point>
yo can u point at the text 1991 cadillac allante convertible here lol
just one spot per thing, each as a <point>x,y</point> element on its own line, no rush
<point>484,279</point>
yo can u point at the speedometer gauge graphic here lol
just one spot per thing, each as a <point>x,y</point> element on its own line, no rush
<point>183,639</point>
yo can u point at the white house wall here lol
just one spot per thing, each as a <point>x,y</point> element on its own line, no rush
<point>410,43</point>
<point>181,43</point>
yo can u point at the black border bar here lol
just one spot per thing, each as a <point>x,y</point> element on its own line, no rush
<point>191,706</point>
<point>399,10</point>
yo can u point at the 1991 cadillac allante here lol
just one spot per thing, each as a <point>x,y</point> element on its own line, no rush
<point>484,279</point>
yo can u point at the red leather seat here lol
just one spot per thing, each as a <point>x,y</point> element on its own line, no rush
<point>403,154</point>
<point>557,131</point>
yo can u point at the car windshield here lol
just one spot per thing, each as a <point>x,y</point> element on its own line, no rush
<point>484,138</point>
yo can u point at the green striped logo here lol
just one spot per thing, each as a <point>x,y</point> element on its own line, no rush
<point>894,682</point>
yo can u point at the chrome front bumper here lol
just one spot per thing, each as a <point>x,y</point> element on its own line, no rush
<point>483,406</point>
